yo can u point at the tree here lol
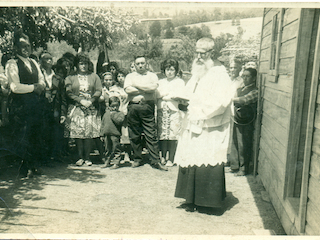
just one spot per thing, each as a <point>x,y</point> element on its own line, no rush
<point>220,42</point>
<point>169,29</point>
<point>81,27</point>
<point>155,29</point>
<point>217,14</point>
<point>139,30</point>
<point>184,30</point>
<point>155,48</point>
<point>243,50</point>
<point>195,32</point>
<point>183,52</point>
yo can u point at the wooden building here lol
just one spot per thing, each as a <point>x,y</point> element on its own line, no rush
<point>287,149</point>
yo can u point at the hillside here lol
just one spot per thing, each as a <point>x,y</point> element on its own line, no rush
<point>251,27</point>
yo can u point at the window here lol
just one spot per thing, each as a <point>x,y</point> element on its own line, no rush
<point>275,45</point>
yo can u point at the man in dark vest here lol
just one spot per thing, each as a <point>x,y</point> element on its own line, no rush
<point>245,110</point>
<point>26,104</point>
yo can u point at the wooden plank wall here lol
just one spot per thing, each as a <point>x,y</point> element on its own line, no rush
<point>313,208</point>
<point>276,109</point>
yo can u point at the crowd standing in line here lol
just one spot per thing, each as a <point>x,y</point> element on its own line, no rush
<point>199,126</point>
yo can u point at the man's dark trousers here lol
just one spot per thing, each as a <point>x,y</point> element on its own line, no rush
<point>241,147</point>
<point>141,119</point>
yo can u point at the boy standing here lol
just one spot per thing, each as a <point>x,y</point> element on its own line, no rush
<point>111,131</point>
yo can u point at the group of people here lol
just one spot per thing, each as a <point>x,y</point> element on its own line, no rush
<point>183,124</point>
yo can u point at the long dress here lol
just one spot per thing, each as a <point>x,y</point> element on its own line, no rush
<point>168,114</point>
<point>203,143</point>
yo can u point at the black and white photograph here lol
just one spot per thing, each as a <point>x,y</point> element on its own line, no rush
<point>159,120</point>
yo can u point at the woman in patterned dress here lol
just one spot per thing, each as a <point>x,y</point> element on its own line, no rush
<point>169,116</point>
<point>83,90</point>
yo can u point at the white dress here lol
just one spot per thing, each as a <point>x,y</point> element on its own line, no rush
<point>169,116</point>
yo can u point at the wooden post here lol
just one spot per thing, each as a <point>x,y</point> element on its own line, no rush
<point>259,114</point>
<point>309,136</point>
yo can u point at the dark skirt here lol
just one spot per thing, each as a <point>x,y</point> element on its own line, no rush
<point>202,186</point>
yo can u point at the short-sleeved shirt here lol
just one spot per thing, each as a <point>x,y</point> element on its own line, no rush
<point>140,79</point>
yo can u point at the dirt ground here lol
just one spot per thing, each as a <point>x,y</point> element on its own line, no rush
<point>68,199</point>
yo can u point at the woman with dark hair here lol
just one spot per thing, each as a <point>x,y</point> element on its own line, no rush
<point>83,91</point>
<point>169,115</point>
<point>69,57</point>
<point>121,75</point>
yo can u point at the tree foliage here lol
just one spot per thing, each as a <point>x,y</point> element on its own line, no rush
<point>169,29</point>
<point>183,52</point>
<point>195,32</point>
<point>244,50</point>
<point>216,14</point>
<point>85,27</point>
<point>155,29</point>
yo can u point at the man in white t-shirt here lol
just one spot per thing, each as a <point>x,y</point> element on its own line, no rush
<point>140,87</point>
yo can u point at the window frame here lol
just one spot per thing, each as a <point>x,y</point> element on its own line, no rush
<point>275,32</point>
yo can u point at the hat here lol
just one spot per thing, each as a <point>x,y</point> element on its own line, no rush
<point>204,45</point>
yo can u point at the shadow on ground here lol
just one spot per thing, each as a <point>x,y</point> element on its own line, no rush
<point>265,207</point>
<point>14,188</point>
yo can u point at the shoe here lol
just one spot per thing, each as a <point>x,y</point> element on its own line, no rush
<point>240,173</point>
<point>183,205</point>
<point>145,151</point>
<point>169,164</point>
<point>135,164</point>
<point>163,161</point>
<point>30,174</point>
<point>106,164</point>
<point>190,207</point>
<point>103,160</point>
<point>232,170</point>
<point>126,158</point>
<point>159,166</point>
<point>88,162</point>
<point>80,162</point>
<point>114,166</point>
<point>217,211</point>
